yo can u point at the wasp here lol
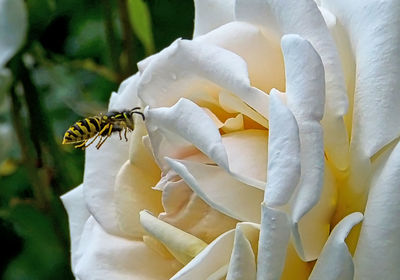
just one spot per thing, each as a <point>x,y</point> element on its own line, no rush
<point>102,125</point>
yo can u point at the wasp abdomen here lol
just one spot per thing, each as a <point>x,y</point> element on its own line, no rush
<point>82,130</point>
<point>101,126</point>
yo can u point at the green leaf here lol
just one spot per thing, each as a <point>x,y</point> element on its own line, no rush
<point>41,13</point>
<point>7,140</point>
<point>140,20</point>
<point>13,25</point>
<point>43,255</point>
<point>86,38</point>
<point>13,187</point>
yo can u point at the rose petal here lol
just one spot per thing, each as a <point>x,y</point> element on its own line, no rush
<point>312,231</point>
<point>247,153</point>
<point>234,104</point>
<point>174,195</point>
<point>219,274</point>
<point>125,83</point>
<point>335,261</point>
<point>126,98</point>
<point>175,136</point>
<point>304,18</point>
<point>343,46</point>
<point>273,243</point>
<point>133,185</point>
<point>213,261</point>
<point>373,30</point>
<point>242,264</point>
<point>295,268</point>
<point>259,13</point>
<point>183,246</point>
<point>209,14</point>
<point>233,124</point>
<point>283,154</point>
<point>215,119</point>
<point>196,217</point>
<point>377,63</point>
<point>214,257</point>
<point>78,214</point>
<point>377,255</point>
<point>220,190</point>
<point>305,97</point>
<point>133,193</point>
<point>329,18</point>
<point>157,246</point>
<point>262,55</point>
<point>13,27</point>
<point>98,186</point>
<point>188,67</point>
<point>305,87</point>
<point>105,256</point>
<point>139,153</point>
<point>192,124</point>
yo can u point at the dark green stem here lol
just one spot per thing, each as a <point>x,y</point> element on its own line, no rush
<point>110,35</point>
<point>128,39</point>
<point>40,174</point>
<point>39,188</point>
<point>42,133</point>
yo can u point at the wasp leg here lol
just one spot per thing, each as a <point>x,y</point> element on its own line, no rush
<point>94,139</point>
<point>120,137</point>
<point>101,142</point>
<point>125,128</point>
<point>81,145</point>
<point>101,134</point>
<point>126,138</point>
<point>98,143</point>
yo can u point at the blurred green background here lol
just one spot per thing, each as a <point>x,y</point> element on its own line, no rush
<point>74,53</point>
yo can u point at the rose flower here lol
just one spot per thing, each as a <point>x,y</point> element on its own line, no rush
<point>268,137</point>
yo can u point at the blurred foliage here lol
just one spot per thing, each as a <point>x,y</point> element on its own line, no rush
<point>139,17</point>
<point>59,61</point>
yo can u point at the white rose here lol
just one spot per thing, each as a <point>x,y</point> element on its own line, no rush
<point>309,93</point>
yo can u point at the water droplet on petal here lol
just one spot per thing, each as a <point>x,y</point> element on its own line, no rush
<point>173,76</point>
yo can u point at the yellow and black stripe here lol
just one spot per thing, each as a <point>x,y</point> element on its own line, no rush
<point>83,130</point>
<point>101,126</point>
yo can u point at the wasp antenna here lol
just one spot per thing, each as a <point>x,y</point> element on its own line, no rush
<point>139,113</point>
